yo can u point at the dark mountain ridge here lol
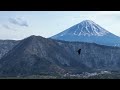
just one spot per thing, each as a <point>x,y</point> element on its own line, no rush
<point>36,55</point>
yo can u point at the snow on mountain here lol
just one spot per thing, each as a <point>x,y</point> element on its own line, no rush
<point>88,31</point>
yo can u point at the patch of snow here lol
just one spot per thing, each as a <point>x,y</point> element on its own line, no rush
<point>60,43</point>
<point>62,35</point>
<point>86,28</point>
<point>75,32</point>
<point>93,30</point>
<point>105,72</point>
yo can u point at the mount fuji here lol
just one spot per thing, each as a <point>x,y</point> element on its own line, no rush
<point>88,31</point>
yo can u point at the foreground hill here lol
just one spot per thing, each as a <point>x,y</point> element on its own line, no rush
<point>36,55</point>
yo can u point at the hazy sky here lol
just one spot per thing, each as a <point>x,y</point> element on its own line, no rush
<point>21,24</point>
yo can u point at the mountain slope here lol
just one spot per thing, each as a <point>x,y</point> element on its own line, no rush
<point>37,55</point>
<point>94,56</point>
<point>6,45</point>
<point>88,31</point>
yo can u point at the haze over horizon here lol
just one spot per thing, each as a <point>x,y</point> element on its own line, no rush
<point>17,25</point>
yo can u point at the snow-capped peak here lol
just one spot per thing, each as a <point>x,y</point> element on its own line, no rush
<point>85,28</point>
<point>87,21</point>
<point>88,31</point>
<point>89,28</point>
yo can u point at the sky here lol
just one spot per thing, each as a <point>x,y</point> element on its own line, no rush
<point>17,25</point>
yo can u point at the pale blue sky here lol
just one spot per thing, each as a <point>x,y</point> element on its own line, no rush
<point>20,24</point>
